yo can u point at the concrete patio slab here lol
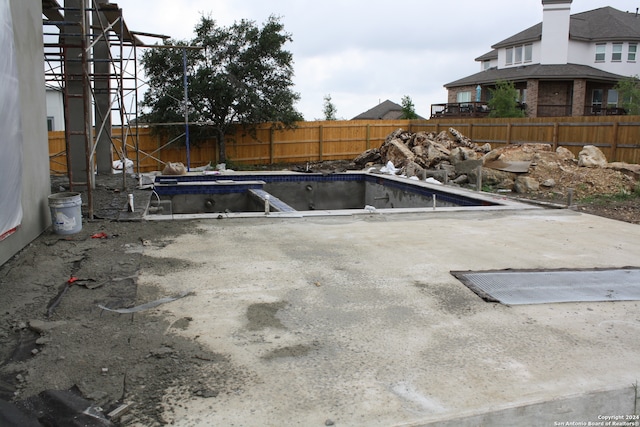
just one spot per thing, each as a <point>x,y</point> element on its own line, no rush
<point>354,321</point>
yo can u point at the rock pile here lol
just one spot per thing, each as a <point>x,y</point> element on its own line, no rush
<point>451,157</point>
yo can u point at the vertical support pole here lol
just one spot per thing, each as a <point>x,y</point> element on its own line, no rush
<point>86,91</point>
<point>186,107</point>
<point>479,178</point>
<point>556,131</point>
<point>135,94</point>
<point>508,133</point>
<point>124,133</point>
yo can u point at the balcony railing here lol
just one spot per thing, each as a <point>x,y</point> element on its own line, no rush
<point>460,109</point>
<point>599,110</point>
<point>481,109</point>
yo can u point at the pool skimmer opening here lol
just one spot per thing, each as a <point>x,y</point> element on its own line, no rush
<point>514,287</point>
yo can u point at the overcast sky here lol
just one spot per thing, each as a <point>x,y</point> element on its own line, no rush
<point>362,52</point>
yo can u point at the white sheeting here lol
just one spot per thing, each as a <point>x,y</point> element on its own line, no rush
<point>10,129</point>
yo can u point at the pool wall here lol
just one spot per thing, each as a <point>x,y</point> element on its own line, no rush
<point>301,192</point>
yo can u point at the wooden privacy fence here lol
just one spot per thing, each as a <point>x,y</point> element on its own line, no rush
<point>617,136</point>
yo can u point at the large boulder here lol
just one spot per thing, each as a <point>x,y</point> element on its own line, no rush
<point>526,184</point>
<point>396,152</point>
<point>565,154</point>
<point>492,177</point>
<point>592,157</point>
<point>629,169</point>
<point>371,155</point>
<point>461,154</point>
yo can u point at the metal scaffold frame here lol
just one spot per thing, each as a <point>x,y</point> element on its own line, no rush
<point>91,56</point>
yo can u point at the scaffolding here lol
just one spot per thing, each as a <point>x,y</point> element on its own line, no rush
<point>91,56</point>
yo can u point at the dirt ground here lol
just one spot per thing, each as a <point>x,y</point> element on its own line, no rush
<point>55,336</point>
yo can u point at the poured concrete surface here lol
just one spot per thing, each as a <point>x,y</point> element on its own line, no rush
<point>357,321</point>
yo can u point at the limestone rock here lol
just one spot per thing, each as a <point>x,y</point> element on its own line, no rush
<point>564,154</point>
<point>526,184</point>
<point>397,152</point>
<point>466,142</point>
<point>591,157</point>
<point>371,155</point>
<point>461,154</point>
<point>628,169</point>
<point>491,177</point>
<point>413,169</point>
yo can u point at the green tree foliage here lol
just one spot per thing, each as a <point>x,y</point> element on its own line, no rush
<point>503,102</point>
<point>329,109</point>
<point>239,75</point>
<point>629,91</point>
<point>408,109</point>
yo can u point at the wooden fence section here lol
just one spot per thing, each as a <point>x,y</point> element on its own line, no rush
<point>617,136</point>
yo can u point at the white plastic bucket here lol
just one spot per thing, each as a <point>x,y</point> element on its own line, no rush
<point>66,212</point>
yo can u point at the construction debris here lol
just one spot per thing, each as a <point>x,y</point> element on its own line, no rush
<point>147,305</point>
<point>530,168</point>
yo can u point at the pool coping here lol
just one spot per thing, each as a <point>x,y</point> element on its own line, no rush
<point>498,202</point>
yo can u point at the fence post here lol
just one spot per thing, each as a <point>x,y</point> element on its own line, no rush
<point>509,133</point>
<point>437,128</point>
<point>556,128</point>
<point>320,136</point>
<point>368,136</point>
<point>614,141</point>
<point>471,132</point>
<point>272,148</point>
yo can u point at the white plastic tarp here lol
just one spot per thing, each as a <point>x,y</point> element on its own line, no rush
<point>10,129</point>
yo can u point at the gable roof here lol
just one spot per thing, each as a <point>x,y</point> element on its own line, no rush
<point>387,110</point>
<point>602,24</point>
<point>536,71</point>
<point>488,56</point>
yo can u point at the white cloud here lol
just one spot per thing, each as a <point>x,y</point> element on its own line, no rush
<point>365,51</point>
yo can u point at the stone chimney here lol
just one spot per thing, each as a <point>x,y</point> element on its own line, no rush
<point>556,15</point>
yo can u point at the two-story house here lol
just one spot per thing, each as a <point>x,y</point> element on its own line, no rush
<point>567,65</point>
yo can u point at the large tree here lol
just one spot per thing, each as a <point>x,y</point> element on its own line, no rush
<point>238,75</point>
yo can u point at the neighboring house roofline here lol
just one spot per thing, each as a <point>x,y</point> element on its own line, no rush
<point>386,110</point>
<point>602,24</point>
<point>538,72</point>
<point>488,56</point>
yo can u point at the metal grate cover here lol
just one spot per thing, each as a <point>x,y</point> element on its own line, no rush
<point>549,286</point>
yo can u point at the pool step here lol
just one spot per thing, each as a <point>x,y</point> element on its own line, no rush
<point>275,204</point>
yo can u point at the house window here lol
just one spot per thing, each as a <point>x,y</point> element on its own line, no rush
<point>509,59</point>
<point>523,96</point>
<point>612,98</point>
<point>600,52</point>
<point>616,55</point>
<point>596,97</point>
<point>633,49</point>
<point>486,65</point>
<point>50,123</point>
<point>528,52</point>
<point>518,55</point>
<point>462,97</point>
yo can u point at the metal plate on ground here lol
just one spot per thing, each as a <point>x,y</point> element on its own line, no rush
<point>515,287</point>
